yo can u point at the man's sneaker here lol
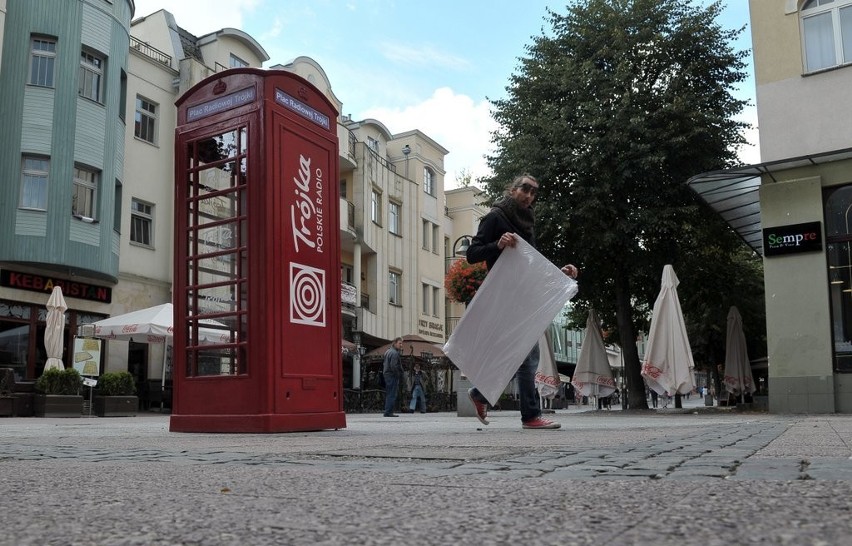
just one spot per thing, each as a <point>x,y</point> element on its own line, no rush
<point>541,423</point>
<point>480,407</point>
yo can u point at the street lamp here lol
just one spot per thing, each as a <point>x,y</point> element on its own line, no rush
<point>463,247</point>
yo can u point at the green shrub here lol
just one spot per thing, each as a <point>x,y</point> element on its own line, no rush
<point>66,382</point>
<point>116,384</point>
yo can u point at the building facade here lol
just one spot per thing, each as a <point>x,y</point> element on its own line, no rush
<point>88,169</point>
<point>62,122</point>
<point>794,208</point>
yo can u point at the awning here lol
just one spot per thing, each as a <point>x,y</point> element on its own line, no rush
<point>734,193</point>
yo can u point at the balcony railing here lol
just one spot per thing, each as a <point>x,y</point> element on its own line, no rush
<point>150,51</point>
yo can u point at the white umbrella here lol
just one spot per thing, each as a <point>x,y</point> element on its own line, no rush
<point>738,377</point>
<point>546,376</point>
<point>54,333</point>
<point>593,374</point>
<point>668,366</point>
<point>156,325</point>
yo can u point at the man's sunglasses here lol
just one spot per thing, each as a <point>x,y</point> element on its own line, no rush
<point>528,188</point>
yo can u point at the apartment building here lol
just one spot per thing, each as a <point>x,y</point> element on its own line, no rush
<point>794,208</point>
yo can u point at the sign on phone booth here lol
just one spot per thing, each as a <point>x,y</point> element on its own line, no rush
<point>257,257</point>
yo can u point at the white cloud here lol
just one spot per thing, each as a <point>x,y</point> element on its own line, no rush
<point>425,55</point>
<point>200,17</point>
<point>454,121</point>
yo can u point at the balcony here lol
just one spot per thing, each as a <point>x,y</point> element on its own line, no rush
<point>151,52</point>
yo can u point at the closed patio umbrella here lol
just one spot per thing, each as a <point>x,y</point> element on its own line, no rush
<point>54,332</point>
<point>593,374</point>
<point>738,377</point>
<point>668,366</point>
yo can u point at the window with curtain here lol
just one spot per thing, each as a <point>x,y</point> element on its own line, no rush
<point>145,124</point>
<point>91,76</point>
<point>34,174</point>
<point>394,286</point>
<point>393,218</point>
<point>142,223</point>
<point>376,207</point>
<point>42,61</point>
<point>428,181</point>
<point>84,192</point>
<point>827,33</point>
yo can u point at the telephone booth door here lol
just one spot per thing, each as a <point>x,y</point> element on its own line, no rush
<point>257,257</point>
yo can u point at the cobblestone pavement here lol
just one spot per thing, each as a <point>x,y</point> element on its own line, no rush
<point>666,477</point>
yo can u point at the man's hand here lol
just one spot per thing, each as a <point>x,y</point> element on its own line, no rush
<point>507,240</point>
<point>571,271</point>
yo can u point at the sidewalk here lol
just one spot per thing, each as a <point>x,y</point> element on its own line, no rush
<point>686,476</point>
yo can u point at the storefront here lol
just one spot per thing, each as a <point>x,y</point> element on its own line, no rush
<point>23,299</point>
<point>795,213</point>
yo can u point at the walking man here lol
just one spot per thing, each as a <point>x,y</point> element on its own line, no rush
<point>392,371</point>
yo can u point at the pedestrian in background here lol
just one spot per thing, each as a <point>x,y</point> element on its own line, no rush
<point>418,390</point>
<point>512,217</point>
<point>392,372</point>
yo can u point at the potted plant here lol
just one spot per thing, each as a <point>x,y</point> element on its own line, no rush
<point>116,395</point>
<point>58,394</point>
<point>463,280</point>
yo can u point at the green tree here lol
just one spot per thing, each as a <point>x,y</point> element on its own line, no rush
<point>613,111</point>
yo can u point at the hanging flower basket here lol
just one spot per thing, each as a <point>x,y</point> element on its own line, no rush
<point>463,280</point>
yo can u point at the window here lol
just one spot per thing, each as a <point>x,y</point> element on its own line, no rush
<point>436,300</point>
<point>427,298</point>
<point>146,120</point>
<point>373,144</point>
<point>34,172</point>
<point>141,223</point>
<point>435,238</point>
<point>838,236</point>
<point>116,215</point>
<point>431,238</point>
<point>376,207</point>
<point>428,181</point>
<point>236,62</point>
<point>827,29</point>
<point>84,193</point>
<point>394,288</point>
<point>91,76</point>
<point>42,60</point>
<point>427,234</point>
<point>393,218</point>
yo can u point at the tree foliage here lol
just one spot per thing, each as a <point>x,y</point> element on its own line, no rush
<point>613,110</point>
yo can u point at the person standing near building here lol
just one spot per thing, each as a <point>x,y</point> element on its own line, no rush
<point>392,372</point>
<point>418,390</point>
<point>512,217</point>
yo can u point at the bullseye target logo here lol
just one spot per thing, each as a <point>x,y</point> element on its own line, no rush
<point>307,295</point>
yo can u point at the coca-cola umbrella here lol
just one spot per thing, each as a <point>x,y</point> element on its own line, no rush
<point>593,374</point>
<point>668,365</point>
<point>546,376</point>
<point>54,332</point>
<point>738,377</point>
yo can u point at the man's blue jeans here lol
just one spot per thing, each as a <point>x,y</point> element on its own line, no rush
<point>418,394</point>
<point>391,389</point>
<point>529,400</point>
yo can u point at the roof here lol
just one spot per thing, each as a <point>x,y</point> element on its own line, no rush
<point>735,193</point>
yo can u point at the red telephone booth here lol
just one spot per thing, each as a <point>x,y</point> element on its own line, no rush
<point>257,257</point>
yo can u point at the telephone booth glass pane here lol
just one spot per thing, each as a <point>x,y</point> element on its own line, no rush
<point>216,284</point>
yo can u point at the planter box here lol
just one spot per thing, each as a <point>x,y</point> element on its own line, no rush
<point>7,406</point>
<point>22,404</point>
<point>57,405</point>
<point>116,406</point>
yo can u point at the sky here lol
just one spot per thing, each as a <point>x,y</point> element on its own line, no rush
<point>433,66</point>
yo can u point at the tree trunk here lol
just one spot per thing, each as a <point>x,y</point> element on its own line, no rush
<point>632,367</point>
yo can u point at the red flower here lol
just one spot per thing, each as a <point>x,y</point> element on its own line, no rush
<point>463,280</point>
